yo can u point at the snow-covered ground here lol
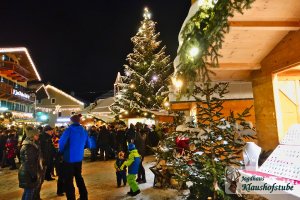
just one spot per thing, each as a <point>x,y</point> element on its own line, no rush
<point>100,180</point>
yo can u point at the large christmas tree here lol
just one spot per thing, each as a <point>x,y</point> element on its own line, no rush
<point>147,73</point>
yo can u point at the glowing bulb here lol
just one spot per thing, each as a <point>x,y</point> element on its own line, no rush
<point>149,99</point>
<point>44,117</point>
<point>147,14</point>
<point>132,86</point>
<point>167,104</point>
<point>145,114</point>
<point>120,116</point>
<point>154,78</point>
<point>194,51</point>
<point>177,83</point>
<point>126,112</point>
<point>153,116</point>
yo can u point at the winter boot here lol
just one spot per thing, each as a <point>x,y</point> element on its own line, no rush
<point>130,192</point>
<point>135,193</point>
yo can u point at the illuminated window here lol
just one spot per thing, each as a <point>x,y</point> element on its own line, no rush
<point>53,101</point>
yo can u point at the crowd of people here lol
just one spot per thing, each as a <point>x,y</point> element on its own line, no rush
<point>46,152</point>
<point>108,140</point>
<point>45,149</point>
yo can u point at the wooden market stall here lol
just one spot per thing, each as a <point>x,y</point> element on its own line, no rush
<point>263,43</point>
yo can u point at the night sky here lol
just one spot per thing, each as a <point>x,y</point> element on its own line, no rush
<point>81,46</point>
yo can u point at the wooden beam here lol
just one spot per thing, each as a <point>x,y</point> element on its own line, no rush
<point>231,75</point>
<point>288,78</point>
<point>290,73</point>
<point>265,25</point>
<point>236,66</point>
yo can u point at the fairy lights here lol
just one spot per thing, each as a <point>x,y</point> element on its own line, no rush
<point>64,94</point>
<point>147,14</point>
<point>43,86</point>
<point>18,49</point>
<point>132,86</point>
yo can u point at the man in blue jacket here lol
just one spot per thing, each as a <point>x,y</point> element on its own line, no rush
<point>72,144</point>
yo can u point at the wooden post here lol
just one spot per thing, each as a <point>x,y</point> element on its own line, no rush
<point>285,55</point>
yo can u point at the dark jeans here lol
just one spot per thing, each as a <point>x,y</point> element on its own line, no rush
<point>12,163</point>
<point>4,160</point>
<point>71,170</point>
<point>121,175</point>
<point>59,172</point>
<point>93,154</point>
<point>28,194</point>
<point>105,153</point>
<point>49,170</point>
<point>40,180</point>
<point>141,172</point>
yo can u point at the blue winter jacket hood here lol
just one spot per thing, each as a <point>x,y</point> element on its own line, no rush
<point>73,142</point>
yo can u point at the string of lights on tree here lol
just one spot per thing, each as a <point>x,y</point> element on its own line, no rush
<point>146,75</point>
<point>202,37</point>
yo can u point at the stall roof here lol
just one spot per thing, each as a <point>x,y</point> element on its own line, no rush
<point>103,105</point>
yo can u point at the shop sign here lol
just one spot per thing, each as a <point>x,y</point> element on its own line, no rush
<point>21,115</point>
<point>63,120</point>
<point>20,94</point>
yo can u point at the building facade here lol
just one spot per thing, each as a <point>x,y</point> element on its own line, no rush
<point>17,70</point>
<point>59,107</point>
<point>262,47</point>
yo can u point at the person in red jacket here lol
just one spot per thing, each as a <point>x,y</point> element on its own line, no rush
<point>11,149</point>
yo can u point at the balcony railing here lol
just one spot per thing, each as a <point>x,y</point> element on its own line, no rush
<point>7,92</point>
<point>5,89</point>
<point>16,70</point>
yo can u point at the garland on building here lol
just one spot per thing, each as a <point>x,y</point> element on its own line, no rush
<point>202,38</point>
<point>145,84</point>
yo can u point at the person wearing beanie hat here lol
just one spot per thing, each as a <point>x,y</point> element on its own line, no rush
<point>131,147</point>
<point>30,133</point>
<point>29,169</point>
<point>76,118</point>
<point>72,144</point>
<point>132,163</point>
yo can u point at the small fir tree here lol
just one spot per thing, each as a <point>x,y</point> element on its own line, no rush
<point>147,73</point>
<point>207,150</point>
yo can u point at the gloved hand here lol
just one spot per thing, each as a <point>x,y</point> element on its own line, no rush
<point>34,179</point>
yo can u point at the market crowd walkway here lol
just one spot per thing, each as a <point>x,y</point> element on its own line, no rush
<point>100,181</point>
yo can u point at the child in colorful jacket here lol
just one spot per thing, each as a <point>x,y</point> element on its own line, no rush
<point>121,174</point>
<point>132,163</point>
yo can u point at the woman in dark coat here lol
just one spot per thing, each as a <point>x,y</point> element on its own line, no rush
<point>140,144</point>
<point>28,171</point>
